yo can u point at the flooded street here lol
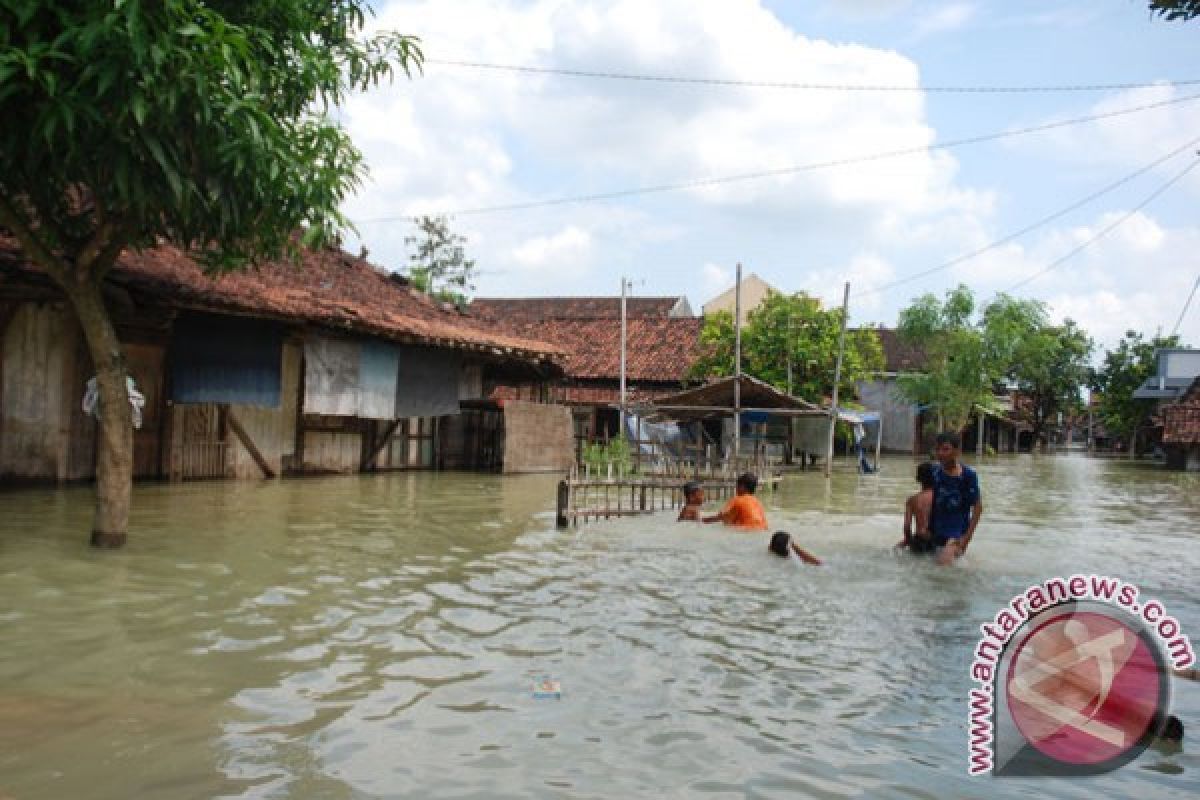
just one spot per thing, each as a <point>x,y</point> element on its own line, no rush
<point>378,636</point>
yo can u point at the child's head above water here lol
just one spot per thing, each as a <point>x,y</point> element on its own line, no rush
<point>925,474</point>
<point>780,543</point>
<point>747,483</point>
<point>693,493</point>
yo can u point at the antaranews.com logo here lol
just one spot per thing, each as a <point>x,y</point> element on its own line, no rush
<point>1073,679</point>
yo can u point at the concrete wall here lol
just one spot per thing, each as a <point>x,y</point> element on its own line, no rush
<point>899,416</point>
<point>538,437</point>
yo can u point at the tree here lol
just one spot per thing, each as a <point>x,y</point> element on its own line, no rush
<point>790,334</point>
<point>961,371</point>
<point>1048,364</point>
<point>1175,9</point>
<point>438,262</point>
<point>200,122</point>
<point>1124,370</point>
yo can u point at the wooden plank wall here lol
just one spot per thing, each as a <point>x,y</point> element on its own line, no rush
<point>38,356</point>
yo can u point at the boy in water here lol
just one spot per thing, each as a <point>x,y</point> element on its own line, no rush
<point>781,542</point>
<point>743,511</point>
<point>957,501</point>
<point>693,499</point>
<point>917,510</point>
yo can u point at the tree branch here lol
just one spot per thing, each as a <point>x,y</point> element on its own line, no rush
<point>99,254</point>
<point>11,218</point>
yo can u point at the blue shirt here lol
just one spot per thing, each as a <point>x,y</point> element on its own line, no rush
<point>953,498</point>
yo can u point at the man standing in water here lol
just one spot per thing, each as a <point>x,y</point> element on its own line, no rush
<point>957,501</point>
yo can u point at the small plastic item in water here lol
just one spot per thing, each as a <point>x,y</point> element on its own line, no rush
<point>547,688</point>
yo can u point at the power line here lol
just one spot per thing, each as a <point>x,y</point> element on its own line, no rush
<point>1186,305</point>
<point>791,170</point>
<point>804,86</point>
<point>1106,229</point>
<point>1032,226</point>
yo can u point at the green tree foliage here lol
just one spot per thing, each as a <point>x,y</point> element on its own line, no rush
<point>1175,9</point>
<point>1048,364</point>
<point>790,330</point>
<point>438,262</point>
<point>1124,370</point>
<point>960,372</point>
<point>203,123</point>
<point>970,356</point>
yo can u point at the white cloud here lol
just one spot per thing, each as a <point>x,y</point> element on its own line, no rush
<point>944,20</point>
<point>461,139</point>
<point>715,279</point>
<point>566,251</point>
<point>864,272</point>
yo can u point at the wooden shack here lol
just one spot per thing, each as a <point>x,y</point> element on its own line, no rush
<point>328,364</point>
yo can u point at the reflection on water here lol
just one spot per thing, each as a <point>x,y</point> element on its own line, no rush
<point>379,637</point>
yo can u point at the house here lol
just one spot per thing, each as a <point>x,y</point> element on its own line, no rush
<point>909,428</point>
<point>904,423</point>
<point>754,292</point>
<point>329,364</point>
<point>1175,370</point>
<point>1181,429</point>
<point>662,344</point>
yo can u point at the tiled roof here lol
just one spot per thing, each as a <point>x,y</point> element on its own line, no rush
<point>1181,420</point>
<point>658,349</point>
<point>519,310</point>
<point>328,288</point>
<point>898,355</point>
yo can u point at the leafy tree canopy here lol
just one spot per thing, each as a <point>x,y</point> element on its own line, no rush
<point>438,262</point>
<point>1123,371</point>
<point>204,123</point>
<point>790,329</point>
<point>1175,9</point>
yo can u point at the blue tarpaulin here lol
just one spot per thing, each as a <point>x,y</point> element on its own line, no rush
<point>218,359</point>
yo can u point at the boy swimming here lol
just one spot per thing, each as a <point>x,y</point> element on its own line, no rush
<point>693,500</point>
<point>781,542</point>
<point>743,511</point>
<point>917,510</point>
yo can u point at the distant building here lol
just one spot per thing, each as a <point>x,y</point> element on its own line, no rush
<point>1181,429</point>
<point>909,428</point>
<point>1176,368</point>
<point>754,292</point>
<point>662,345</point>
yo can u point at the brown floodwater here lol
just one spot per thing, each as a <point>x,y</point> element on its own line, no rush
<point>379,636</point>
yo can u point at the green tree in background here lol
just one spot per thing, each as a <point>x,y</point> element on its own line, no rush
<point>790,334</point>
<point>961,370</point>
<point>1123,371</point>
<point>1175,9</point>
<point>438,263</point>
<point>202,123</point>
<point>1048,364</point>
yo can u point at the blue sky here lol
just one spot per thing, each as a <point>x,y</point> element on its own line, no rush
<point>459,138</point>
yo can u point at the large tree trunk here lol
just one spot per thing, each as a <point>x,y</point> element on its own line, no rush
<point>114,441</point>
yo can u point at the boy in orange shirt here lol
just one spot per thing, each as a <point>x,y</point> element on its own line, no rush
<point>743,511</point>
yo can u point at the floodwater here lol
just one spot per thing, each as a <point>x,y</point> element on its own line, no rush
<point>371,637</point>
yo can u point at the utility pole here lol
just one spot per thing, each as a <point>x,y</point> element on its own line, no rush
<point>624,334</point>
<point>837,379</point>
<point>737,364</point>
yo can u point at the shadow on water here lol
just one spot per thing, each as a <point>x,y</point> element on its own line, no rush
<point>378,637</point>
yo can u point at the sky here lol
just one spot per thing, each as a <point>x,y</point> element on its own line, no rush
<point>462,140</point>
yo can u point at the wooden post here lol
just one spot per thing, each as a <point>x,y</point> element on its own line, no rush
<point>561,519</point>
<point>378,445</point>
<point>737,363</point>
<point>981,421</point>
<point>879,440</point>
<point>235,425</point>
<point>837,378</point>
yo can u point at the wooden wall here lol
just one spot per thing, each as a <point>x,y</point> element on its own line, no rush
<point>538,437</point>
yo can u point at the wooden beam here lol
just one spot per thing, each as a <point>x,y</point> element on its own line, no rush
<point>377,447</point>
<point>235,425</point>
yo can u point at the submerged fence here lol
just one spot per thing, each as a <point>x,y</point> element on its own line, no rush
<point>584,496</point>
